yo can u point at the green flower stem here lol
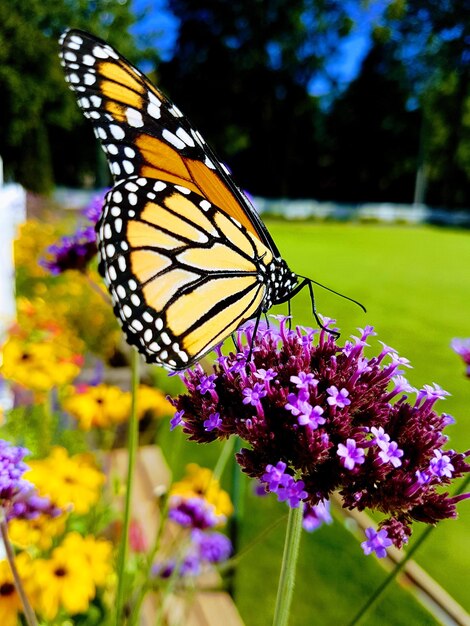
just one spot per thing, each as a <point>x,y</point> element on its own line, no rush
<point>400,565</point>
<point>235,522</point>
<point>132,445</point>
<point>289,563</point>
<point>29,615</point>
<point>225,454</point>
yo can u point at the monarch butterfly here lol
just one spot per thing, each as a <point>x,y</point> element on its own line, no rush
<point>184,254</point>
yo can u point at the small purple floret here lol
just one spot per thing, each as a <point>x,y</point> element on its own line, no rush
<point>377,541</point>
<point>350,454</point>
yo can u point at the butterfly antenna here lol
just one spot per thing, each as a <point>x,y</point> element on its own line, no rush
<point>341,295</point>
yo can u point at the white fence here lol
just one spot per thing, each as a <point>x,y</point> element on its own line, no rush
<point>311,209</point>
<point>368,212</point>
<point>12,213</point>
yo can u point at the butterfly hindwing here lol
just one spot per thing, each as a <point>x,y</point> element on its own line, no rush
<point>143,134</point>
<point>179,283</point>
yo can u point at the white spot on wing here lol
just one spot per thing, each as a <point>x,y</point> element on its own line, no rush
<point>173,139</point>
<point>134,117</point>
<point>154,111</point>
<point>117,131</point>
<point>100,52</point>
<point>184,136</point>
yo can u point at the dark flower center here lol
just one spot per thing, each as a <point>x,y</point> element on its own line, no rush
<point>7,589</point>
<point>60,572</point>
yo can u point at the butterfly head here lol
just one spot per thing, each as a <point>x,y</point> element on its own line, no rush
<point>280,284</point>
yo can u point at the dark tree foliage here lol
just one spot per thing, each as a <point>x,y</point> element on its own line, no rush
<point>374,139</point>
<point>241,72</point>
<point>42,133</point>
<point>434,41</point>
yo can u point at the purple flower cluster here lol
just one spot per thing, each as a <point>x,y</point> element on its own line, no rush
<point>204,549</point>
<point>319,417</point>
<point>12,485</point>
<point>193,513</point>
<point>31,505</point>
<point>72,252</point>
<point>75,251</point>
<point>93,210</point>
<point>462,347</point>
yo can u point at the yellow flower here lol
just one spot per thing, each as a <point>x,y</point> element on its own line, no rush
<point>10,603</point>
<point>39,365</point>
<point>65,580</point>
<point>38,532</point>
<point>33,238</point>
<point>200,482</point>
<point>98,406</point>
<point>67,480</point>
<point>97,552</point>
<point>94,321</point>
<point>154,402</point>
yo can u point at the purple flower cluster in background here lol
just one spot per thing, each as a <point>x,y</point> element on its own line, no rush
<point>74,252</point>
<point>193,513</point>
<point>462,347</point>
<point>12,468</point>
<point>318,417</point>
<point>204,549</point>
<point>31,505</point>
<point>18,497</point>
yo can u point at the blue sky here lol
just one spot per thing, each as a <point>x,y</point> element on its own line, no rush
<point>158,22</point>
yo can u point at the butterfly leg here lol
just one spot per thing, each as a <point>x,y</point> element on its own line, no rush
<point>235,343</point>
<point>289,314</point>
<point>267,319</point>
<point>253,336</point>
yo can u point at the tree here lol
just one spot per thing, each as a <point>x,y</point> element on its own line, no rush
<point>434,41</point>
<point>373,136</point>
<point>36,104</point>
<point>241,72</point>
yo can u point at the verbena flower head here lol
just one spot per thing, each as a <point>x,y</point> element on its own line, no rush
<point>193,512</point>
<point>30,505</point>
<point>462,347</point>
<point>94,209</point>
<point>75,251</point>
<point>207,500</point>
<point>205,549</point>
<point>328,418</point>
<point>12,468</point>
<point>72,252</point>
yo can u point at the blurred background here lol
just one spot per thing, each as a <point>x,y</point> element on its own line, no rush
<point>337,102</point>
<point>350,101</point>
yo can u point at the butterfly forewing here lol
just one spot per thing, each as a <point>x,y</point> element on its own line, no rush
<point>178,284</point>
<point>143,133</point>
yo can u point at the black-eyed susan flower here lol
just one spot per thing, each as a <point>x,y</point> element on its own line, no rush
<point>63,581</point>
<point>97,406</point>
<point>67,480</point>
<point>10,603</point>
<point>97,552</point>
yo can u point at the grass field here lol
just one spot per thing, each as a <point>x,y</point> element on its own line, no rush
<point>415,283</point>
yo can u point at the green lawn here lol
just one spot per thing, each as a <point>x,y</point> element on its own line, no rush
<point>415,283</point>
